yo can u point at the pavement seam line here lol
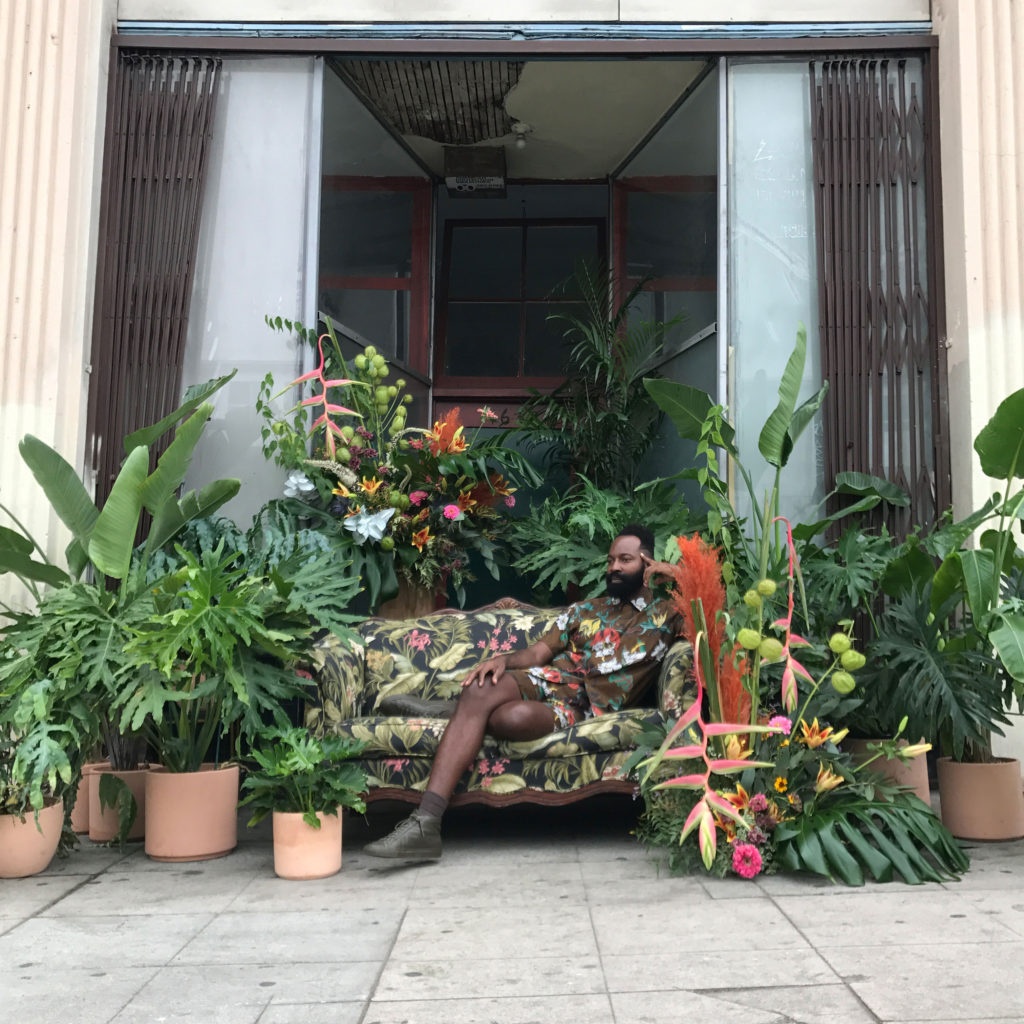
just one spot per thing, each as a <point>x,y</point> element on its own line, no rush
<point>383,965</point>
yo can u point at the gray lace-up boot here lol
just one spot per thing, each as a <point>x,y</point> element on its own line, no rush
<point>416,707</point>
<point>418,837</point>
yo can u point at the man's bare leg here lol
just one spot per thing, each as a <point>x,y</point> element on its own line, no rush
<point>494,707</point>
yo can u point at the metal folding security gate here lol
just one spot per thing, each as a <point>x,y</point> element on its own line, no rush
<point>159,119</point>
<point>878,283</point>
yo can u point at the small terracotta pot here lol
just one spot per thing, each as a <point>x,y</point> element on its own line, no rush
<point>103,820</point>
<point>301,852</point>
<point>982,801</point>
<point>913,774</point>
<point>24,850</point>
<point>80,812</point>
<point>192,815</point>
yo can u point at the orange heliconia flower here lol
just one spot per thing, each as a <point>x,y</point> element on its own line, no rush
<point>447,434</point>
<point>420,538</point>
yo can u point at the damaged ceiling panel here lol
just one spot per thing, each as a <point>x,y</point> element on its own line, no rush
<point>453,102</point>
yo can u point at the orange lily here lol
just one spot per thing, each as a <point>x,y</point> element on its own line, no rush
<point>827,779</point>
<point>447,434</point>
<point>814,736</point>
<point>740,799</point>
<point>420,538</point>
<point>371,486</point>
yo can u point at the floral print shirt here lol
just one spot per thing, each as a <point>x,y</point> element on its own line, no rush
<point>607,651</point>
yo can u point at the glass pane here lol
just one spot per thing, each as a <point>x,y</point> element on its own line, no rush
<point>482,339</point>
<point>672,234</point>
<point>552,252</point>
<point>366,234</point>
<point>546,344</point>
<point>370,315</point>
<point>485,263</point>
<point>772,264</point>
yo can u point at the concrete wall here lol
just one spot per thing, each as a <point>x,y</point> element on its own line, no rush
<point>673,11</point>
<point>53,71</point>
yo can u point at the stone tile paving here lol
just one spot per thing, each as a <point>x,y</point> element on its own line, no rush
<point>533,915</point>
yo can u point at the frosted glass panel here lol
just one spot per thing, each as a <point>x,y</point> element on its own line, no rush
<point>772,284</point>
<point>252,262</point>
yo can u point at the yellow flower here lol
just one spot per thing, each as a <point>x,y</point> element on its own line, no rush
<point>781,785</point>
<point>371,486</point>
<point>827,779</point>
<point>814,736</point>
<point>342,491</point>
<point>734,749</point>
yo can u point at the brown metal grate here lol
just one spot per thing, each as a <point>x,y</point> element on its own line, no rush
<point>159,119</point>
<point>877,290</point>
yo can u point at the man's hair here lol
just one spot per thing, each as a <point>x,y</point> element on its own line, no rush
<point>641,533</point>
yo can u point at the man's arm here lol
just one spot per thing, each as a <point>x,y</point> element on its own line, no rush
<point>529,657</point>
<point>652,569</point>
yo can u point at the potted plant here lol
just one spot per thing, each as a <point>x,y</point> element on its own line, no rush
<point>304,782</point>
<point>952,641</point>
<point>81,627</point>
<point>215,661</point>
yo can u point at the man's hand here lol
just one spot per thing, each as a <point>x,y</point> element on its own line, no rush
<point>653,568</point>
<point>494,667</point>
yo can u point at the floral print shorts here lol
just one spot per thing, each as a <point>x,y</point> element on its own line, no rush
<point>565,701</point>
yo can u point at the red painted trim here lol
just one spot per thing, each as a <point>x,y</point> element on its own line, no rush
<point>382,284</point>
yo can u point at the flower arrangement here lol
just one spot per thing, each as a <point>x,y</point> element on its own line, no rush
<point>420,500</point>
<point>765,770</point>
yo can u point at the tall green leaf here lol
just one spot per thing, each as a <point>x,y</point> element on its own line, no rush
<point>172,466</point>
<point>775,442</point>
<point>1000,444</point>
<point>113,534</point>
<point>65,492</point>
<point>688,408</point>
<point>1008,640</point>
<point>866,484</point>
<point>195,396</point>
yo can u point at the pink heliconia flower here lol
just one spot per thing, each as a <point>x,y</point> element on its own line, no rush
<point>746,860</point>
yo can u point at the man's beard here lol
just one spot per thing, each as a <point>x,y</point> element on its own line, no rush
<point>624,585</point>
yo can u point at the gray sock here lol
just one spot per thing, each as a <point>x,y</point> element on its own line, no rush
<point>432,805</point>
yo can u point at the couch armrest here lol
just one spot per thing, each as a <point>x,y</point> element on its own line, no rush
<point>340,673</point>
<point>676,686</point>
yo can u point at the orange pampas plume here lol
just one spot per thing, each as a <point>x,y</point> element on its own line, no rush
<point>698,575</point>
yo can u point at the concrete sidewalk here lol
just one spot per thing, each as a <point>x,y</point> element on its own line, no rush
<point>534,915</point>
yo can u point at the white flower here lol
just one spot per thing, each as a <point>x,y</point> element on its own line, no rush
<point>369,525</point>
<point>298,485</point>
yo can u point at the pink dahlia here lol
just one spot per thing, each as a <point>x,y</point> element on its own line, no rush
<point>452,511</point>
<point>781,722</point>
<point>758,803</point>
<point>746,860</point>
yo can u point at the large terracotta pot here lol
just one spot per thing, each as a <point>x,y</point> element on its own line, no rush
<point>302,852</point>
<point>103,820</point>
<point>80,812</point>
<point>24,850</point>
<point>192,815</point>
<point>913,774</point>
<point>982,801</point>
<point>411,602</point>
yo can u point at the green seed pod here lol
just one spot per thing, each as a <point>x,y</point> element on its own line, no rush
<point>852,660</point>
<point>749,638</point>
<point>383,371</point>
<point>752,599</point>
<point>392,391</point>
<point>360,362</point>
<point>403,444</point>
<point>395,499</point>
<point>380,394</point>
<point>387,543</point>
<point>839,643</point>
<point>842,682</point>
<point>400,383</point>
<point>766,588</point>
<point>369,351</point>
<point>348,433</point>
<point>770,649</point>
<point>342,454</point>
<point>407,399</point>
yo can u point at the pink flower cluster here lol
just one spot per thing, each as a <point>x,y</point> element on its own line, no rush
<point>419,641</point>
<point>781,722</point>
<point>746,860</point>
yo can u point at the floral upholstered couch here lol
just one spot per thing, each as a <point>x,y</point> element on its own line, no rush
<point>429,657</point>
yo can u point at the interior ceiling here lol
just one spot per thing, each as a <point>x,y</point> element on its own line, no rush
<point>580,119</point>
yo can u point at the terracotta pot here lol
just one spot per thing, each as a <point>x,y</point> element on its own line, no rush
<point>982,801</point>
<point>913,774</point>
<point>80,812</point>
<point>411,602</point>
<point>192,815</point>
<point>301,852</point>
<point>103,820</point>
<point>24,850</point>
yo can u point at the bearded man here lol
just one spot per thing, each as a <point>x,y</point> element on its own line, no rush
<point>601,655</point>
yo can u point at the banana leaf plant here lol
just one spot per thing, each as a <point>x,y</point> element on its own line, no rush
<point>87,613</point>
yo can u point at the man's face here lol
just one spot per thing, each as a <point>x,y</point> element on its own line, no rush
<point>625,575</point>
